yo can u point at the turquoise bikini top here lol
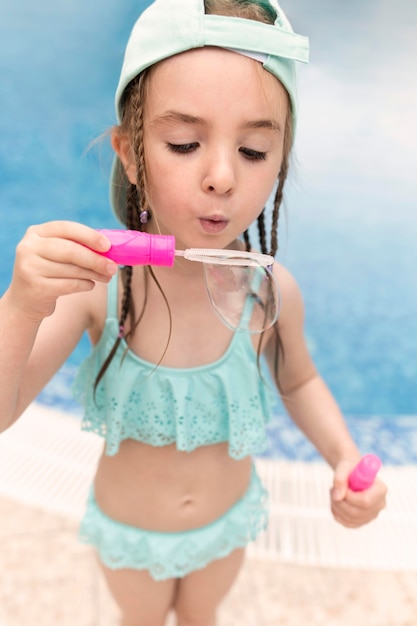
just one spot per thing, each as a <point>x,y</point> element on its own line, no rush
<point>227,400</point>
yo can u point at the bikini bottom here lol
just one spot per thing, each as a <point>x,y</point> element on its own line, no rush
<point>175,554</point>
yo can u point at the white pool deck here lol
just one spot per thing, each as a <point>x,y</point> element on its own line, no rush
<point>305,569</point>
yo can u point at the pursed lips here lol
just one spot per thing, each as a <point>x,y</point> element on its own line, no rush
<point>213,223</point>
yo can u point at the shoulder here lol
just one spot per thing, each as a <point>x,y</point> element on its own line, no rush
<point>291,299</point>
<point>284,276</point>
<point>295,364</point>
<point>290,322</point>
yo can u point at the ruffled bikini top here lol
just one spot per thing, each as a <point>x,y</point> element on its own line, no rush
<point>227,400</point>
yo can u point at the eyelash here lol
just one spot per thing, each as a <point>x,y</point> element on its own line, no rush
<point>183,148</point>
<point>253,155</point>
<point>186,148</point>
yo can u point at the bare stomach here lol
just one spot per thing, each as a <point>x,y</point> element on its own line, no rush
<point>165,490</point>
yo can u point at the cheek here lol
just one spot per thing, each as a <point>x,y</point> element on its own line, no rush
<point>269,180</point>
<point>167,173</point>
<point>166,185</point>
<point>160,167</point>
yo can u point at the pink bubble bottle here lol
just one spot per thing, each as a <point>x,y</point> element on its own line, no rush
<point>132,247</point>
<point>363,475</point>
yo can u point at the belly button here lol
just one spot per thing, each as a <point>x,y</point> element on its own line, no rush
<point>187,502</point>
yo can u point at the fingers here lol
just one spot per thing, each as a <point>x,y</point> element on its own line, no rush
<point>60,248</point>
<point>340,480</point>
<point>358,508</point>
<point>55,259</point>
<point>72,231</point>
<point>68,242</point>
<point>61,258</point>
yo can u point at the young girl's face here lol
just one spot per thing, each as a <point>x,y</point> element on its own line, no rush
<point>213,133</point>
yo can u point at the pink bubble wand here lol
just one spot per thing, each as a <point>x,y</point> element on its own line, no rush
<point>364,474</point>
<point>132,247</point>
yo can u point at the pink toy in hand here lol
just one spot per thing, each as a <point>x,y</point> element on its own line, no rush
<point>363,475</point>
<point>131,247</point>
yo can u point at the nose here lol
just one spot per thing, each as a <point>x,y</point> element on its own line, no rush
<point>220,173</point>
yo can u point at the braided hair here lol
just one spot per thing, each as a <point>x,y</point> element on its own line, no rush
<point>136,204</point>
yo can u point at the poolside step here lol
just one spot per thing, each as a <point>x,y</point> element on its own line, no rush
<point>46,461</point>
<point>303,531</point>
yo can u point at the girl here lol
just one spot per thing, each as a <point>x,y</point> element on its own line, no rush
<point>207,110</point>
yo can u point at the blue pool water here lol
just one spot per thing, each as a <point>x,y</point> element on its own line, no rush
<point>349,231</point>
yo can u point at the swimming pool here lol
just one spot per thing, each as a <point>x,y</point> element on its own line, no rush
<point>350,227</point>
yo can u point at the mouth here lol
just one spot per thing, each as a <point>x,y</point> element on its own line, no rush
<point>213,225</point>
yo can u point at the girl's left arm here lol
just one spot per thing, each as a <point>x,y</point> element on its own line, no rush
<point>314,410</point>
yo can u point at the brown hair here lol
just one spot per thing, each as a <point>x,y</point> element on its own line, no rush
<point>133,101</point>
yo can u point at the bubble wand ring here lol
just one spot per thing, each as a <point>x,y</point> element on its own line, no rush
<point>241,286</point>
<point>227,257</point>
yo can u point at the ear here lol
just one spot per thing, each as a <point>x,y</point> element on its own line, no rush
<point>121,145</point>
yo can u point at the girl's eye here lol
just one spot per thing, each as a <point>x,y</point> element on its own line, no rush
<point>182,148</point>
<point>253,155</point>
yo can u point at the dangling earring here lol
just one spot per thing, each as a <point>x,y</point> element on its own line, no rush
<point>144,216</point>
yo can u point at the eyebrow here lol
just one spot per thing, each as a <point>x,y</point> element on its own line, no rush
<point>176,116</point>
<point>268,124</point>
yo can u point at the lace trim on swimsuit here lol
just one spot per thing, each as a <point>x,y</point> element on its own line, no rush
<point>193,407</point>
<point>174,555</point>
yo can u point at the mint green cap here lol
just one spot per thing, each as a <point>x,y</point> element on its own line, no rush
<point>169,27</point>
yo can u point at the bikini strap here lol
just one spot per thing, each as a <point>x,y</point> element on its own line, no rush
<point>112,293</point>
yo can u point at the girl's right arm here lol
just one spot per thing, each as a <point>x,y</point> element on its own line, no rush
<point>47,307</point>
